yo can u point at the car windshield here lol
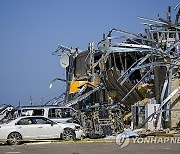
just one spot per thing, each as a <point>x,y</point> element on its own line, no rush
<point>61,113</point>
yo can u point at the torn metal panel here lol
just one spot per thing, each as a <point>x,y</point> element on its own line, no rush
<point>82,65</point>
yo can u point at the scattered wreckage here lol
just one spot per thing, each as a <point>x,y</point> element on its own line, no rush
<point>6,112</point>
<point>130,80</point>
<point>128,72</point>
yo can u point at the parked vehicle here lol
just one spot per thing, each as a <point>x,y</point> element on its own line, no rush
<point>37,127</point>
<point>55,113</point>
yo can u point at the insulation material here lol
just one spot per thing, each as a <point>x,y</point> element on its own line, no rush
<point>76,85</point>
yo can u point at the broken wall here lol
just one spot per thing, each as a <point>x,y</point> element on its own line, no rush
<point>175,104</point>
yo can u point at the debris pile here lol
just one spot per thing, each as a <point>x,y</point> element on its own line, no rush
<point>129,80</point>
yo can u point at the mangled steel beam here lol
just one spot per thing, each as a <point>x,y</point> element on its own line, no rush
<point>84,96</point>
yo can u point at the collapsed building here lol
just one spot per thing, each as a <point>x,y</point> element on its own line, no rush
<point>129,80</point>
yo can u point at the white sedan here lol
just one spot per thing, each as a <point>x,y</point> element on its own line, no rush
<point>28,128</point>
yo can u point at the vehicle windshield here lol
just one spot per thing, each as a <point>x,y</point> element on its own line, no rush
<point>61,113</point>
<point>28,112</point>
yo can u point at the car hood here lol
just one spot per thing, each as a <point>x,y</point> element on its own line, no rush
<point>66,124</point>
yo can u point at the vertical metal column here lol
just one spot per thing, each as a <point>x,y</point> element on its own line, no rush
<point>91,61</point>
<point>167,115</point>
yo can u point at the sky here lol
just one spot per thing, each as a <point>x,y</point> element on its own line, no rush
<point>30,30</point>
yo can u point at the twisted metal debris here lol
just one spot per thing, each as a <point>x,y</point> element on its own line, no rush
<point>129,68</point>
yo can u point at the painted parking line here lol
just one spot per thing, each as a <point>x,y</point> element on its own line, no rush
<point>36,143</point>
<point>12,152</point>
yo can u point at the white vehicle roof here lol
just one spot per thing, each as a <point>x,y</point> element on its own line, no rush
<point>43,107</point>
<point>23,117</point>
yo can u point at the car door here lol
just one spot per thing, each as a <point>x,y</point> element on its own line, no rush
<point>47,128</point>
<point>27,129</point>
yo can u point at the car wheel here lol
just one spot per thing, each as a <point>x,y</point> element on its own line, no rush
<point>68,134</point>
<point>14,138</point>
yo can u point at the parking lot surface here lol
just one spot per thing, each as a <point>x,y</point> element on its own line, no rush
<point>88,148</point>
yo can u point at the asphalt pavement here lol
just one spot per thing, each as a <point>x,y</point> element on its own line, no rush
<point>89,148</point>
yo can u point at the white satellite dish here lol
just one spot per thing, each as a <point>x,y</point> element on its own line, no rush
<point>64,61</point>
